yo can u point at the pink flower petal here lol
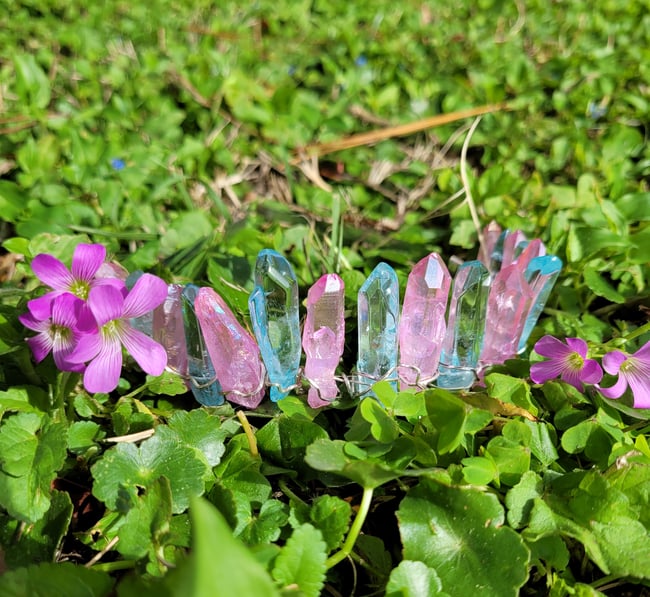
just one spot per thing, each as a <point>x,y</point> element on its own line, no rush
<point>612,361</point>
<point>52,272</point>
<point>147,293</point>
<point>640,386</point>
<point>542,372</point>
<point>573,377</point>
<point>578,345</point>
<point>150,355</point>
<point>65,310</point>
<point>41,307</point>
<point>106,303</point>
<point>591,372</point>
<point>615,391</point>
<point>643,353</point>
<point>41,345</point>
<point>103,372</point>
<point>86,260</point>
<point>37,325</point>
<point>551,347</point>
<point>87,348</point>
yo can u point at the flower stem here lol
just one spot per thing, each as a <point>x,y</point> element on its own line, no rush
<point>355,529</point>
<point>248,430</point>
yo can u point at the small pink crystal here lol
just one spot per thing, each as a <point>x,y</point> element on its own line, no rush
<point>169,330</point>
<point>422,326</point>
<point>233,351</point>
<point>509,302</point>
<point>491,235</point>
<point>510,244</point>
<point>535,248</point>
<point>323,338</point>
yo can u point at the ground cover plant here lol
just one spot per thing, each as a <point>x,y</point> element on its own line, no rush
<point>184,137</point>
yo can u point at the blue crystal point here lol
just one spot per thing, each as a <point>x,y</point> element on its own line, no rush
<point>273,306</point>
<point>496,257</point>
<point>202,376</point>
<point>378,317</point>
<point>541,273</point>
<point>465,327</point>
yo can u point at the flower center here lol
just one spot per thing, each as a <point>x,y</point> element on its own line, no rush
<point>111,329</point>
<point>575,361</point>
<point>60,331</point>
<point>80,288</point>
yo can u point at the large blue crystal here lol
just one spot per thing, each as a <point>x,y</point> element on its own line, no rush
<point>202,377</point>
<point>465,327</point>
<point>541,274</point>
<point>273,306</point>
<point>378,317</point>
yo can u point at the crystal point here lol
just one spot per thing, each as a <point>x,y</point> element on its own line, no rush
<point>273,306</point>
<point>169,329</point>
<point>465,327</point>
<point>378,317</point>
<point>324,337</point>
<point>541,273</point>
<point>202,379</point>
<point>509,301</point>
<point>422,326</point>
<point>234,353</point>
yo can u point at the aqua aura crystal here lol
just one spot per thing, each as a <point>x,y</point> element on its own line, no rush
<point>541,273</point>
<point>491,234</point>
<point>509,301</point>
<point>378,317</point>
<point>273,306</point>
<point>323,338</point>
<point>202,379</point>
<point>169,329</point>
<point>423,324</point>
<point>465,327</point>
<point>234,352</point>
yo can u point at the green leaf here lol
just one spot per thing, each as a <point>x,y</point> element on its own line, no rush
<point>49,579</point>
<point>266,526</point>
<point>512,460</point>
<point>448,415</point>
<point>460,534</point>
<point>146,525</point>
<point>413,579</point>
<point>598,285</point>
<point>32,84</point>
<point>40,541</point>
<point>220,565</point>
<point>83,436</point>
<point>301,563</point>
<point>32,451</point>
<point>520,498</point>
<point>126,469</point>
<point>510,389</point>
<point>383,428</point>
<point>479,470</point>
<point>203,431</point>
<point>331,516</point>
<point>167,384</point>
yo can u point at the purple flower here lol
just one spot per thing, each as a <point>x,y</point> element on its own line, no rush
<point>633,370</point>
<point>59,332</point>
<point>112,311</point>
<point>86,261</point>
<point>568,361</point>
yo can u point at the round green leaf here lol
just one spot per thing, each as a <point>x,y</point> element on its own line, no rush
<point>459,533</point>
<point>413,579</point>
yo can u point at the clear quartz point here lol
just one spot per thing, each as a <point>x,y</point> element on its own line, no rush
<point>422,326</point>
<point>234,353</point>
<point>465,327</point>
<point>323,338</point>
<point>202,379</point>
<point>273,307</point>
<point>378,318</point>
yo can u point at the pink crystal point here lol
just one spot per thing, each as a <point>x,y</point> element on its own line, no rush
<point>422,326</point>
<point>233,351</point>
<point>510,244</point>
<point>535,248</point>
<point>509,302</point>
<point>491,235</point>
<point>169,330</point>
<point>323,338</point>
